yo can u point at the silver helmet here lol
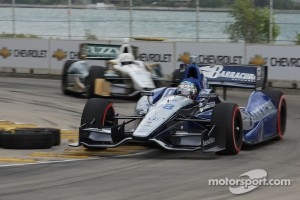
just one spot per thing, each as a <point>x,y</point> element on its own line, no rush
<point>187,89</point>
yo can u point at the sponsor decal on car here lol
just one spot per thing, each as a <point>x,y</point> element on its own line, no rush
<point>99,51</point>
<point>218,71</point>
<point>207,106</point>
<point>209,141</point>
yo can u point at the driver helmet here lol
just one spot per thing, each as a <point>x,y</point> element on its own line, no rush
<point>126,58</point>
<point>188,89</point>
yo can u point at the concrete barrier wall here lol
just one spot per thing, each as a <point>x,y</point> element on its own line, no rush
<point>43,56</point>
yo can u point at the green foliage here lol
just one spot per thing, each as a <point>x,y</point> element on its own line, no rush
<point>251,23</point>
<point>10,35</point>
<point>297,42</point>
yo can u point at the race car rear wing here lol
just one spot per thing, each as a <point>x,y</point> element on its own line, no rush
<point>90,51</point>
<point>239,76</point>
<point>231,76</point>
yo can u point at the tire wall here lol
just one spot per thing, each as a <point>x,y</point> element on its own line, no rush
<point>30,138</point>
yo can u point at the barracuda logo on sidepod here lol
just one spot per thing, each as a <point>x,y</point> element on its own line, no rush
<point>218,71</point>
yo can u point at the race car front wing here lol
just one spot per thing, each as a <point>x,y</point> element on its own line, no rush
<point>206,140</point>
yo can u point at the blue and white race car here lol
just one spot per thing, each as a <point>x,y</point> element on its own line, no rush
<point>191,116</point>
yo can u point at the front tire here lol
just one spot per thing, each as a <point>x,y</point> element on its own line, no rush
<point>227,119</point>
<point>97,113</point>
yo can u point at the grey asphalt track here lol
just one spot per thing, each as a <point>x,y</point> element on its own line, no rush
<point>153,174</point>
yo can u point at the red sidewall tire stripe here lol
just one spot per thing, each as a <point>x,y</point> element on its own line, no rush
<point>236,109</point>
<point>105,112</point>
<point>279,129</point>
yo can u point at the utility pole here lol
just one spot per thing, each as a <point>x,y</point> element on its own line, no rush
<point>271,22</point>
<point>13,18</point>
<point>197,20</point>
<point>69,18</point>
<point>130,19</point>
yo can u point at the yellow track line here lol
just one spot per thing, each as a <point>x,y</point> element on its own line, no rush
<point>4,122</point>
<point>68,131</point>
<point>8,127</point>
<point>18,160</point>
<point>58,155</point>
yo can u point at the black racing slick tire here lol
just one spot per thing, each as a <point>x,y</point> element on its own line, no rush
<point>227,119</point>
<point>64,78</point>
<point>279,101</point>
<point>95,72</point>
<point>97,113</point>
<point>26,140</point>
<point>56,136</point>
<point>0,136</point>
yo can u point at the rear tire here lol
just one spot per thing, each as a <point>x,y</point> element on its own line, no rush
<point>279,101</point>
<point>95,72</point>
<point>97,113</point>
<point>64,79</point>
<point>228,120</point>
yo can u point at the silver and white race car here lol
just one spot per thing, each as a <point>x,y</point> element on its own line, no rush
<point>123,76</point>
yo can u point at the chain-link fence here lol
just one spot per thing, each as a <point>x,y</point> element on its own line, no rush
<point>106,21</point>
